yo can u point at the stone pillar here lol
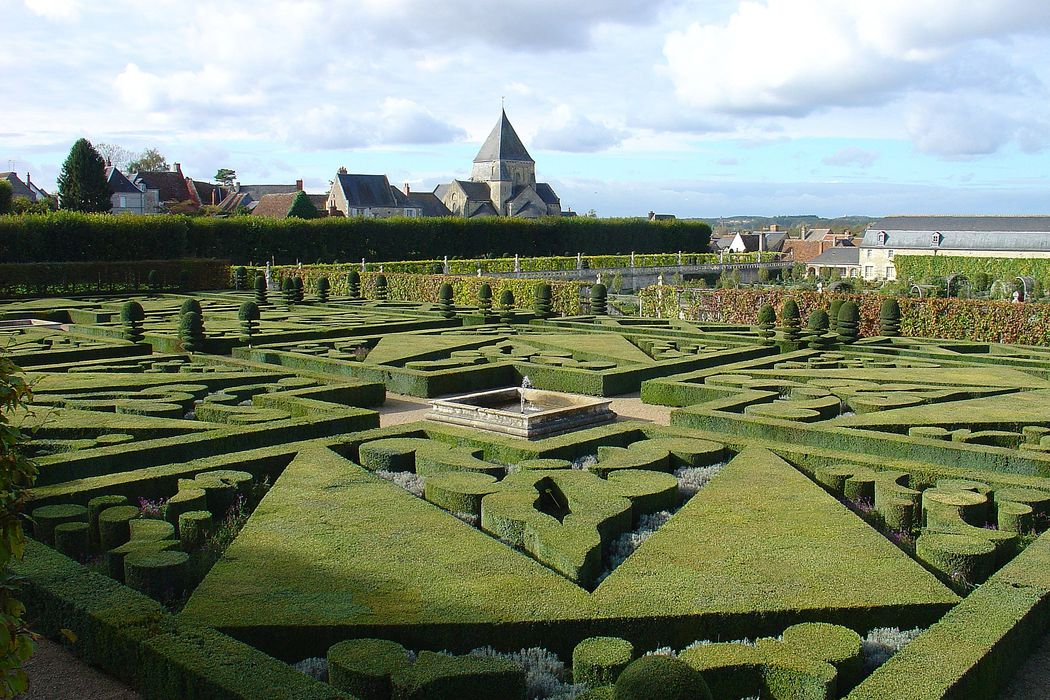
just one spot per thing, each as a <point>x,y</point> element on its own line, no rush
<point>362,264</point>
<point>632,258</point>
<point>517,263</point>
<point>444,266</point>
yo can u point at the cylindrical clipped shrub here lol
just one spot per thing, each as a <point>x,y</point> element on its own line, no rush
<point>951,507</point>
<point>833,644</point>
<point>240,278</point>
<point>248,315</point>
<point>363,667</point>
<point>664,677</point>
<point>324,289</point>
<point>1014,517</point>
<point>189,305</point>
<point>791,319</point>
<point>47,518</point>
<point>445,305</point>
<point>131,316</point>
<point>185,500</point>
<point>485,298</point>
<point>353,284</point>
<point>194,528</point>
<point>72,540</point>
<point>964,560</point>
<point>95,506</point>
<point>890,318</point>
<point>381,288</point>
<point>600,660</point>
<point>599,299</point>
<point>849,322</point>
<point>542,300</point>
<point>816,328</point>
<point>222,486</point>
<point>506,306</point>
<point>767,318</point>
<point>288,288</point>
<point>191,332</point>
<point>160,575</point>
<point>260,291</point>
<point>300,289</point>
<point>114,526</point>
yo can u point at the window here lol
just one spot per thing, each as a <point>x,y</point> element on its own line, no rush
<point>867,253</point>
<point>890,255</point>
<point>882,238</point>
<point>123,201</point>
<point>869,272</point>
<point>891,272</point>
<point>935,240</point>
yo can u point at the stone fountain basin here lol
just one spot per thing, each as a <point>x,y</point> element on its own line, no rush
<point>499,411</point>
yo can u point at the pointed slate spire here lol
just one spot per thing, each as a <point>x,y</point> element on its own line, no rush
<point>503,144</point>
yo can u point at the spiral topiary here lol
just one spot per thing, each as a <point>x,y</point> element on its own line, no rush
<point>767,318</point>
<point>445,305</point>
<point>599,299</point>
<point>506,306</point>
<point>485,298</point>
<point>132,315</point>
<point>849,322</point>
<point>890,318</point>
<point>324,289</point>
<point>381,288</point>
<point>816,328</point>
<point>249,316</point>
<point>189,305</point>
<point>833,315</point>
<point>541,303</point>
<point>663,677</point>
<point>300,289</point>
<point>260,291</point>
<point>240,278</point>
<point>353,284</point>
<point>791,320</point>
<point>288,288</point>
<point>191,332</point>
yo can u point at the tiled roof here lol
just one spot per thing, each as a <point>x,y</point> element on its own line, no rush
<point>366,190</point>
<point>117,181</point>
<point>18,188</point>
<point>170,185</point>
<point>274,206</point>
<point>429,203</point>
<point>503,144</point>
<point>476,191</point>
<point>976,233</point>
<point>204,191</point>
<point>1019,224</point>
<point>838,256</point>
<point>546,193</point>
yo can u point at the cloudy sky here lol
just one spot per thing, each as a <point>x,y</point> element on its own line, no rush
<point>698,108</point>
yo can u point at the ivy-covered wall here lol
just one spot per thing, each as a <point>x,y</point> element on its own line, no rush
<point>961,319</point>
<point>923,266</point>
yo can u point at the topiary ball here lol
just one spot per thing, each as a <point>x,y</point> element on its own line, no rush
<point>657,677</point>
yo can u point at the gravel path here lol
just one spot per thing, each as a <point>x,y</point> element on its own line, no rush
<point>1033,678</point>
<point>55,674</point>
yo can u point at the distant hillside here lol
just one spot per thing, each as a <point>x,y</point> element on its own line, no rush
<point>729,224</point>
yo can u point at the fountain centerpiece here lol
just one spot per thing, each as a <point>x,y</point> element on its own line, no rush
<point>522,411</point>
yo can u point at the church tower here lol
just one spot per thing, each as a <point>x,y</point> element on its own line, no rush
<point>504,164</point>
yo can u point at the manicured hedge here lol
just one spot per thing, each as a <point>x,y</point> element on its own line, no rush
<point>962,319</point>
<point>65,278</point>
<point>133,638</point>
<point>69,236</point>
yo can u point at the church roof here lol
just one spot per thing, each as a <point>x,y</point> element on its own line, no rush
<point>503,144</point>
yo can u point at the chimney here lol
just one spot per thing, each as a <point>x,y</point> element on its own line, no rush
<point>214,195</point>
<point>408,189</point>
<point>28,181</point>
<point>298,185</point>
<point>762,242</point>
<point>177,168</point>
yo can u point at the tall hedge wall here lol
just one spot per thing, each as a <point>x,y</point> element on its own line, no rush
<point>961,319</point>
<point>63,278</point>
<point>922,266</point>
<point>66,236</point>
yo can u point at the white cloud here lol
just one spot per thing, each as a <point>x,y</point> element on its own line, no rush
<point>792,57</point>
<point>55,9</point>
<point>573,133</point>
<point>394,121</point>
<point>851,156</point>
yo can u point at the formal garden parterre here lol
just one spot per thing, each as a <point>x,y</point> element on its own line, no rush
<point>826,516</point>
